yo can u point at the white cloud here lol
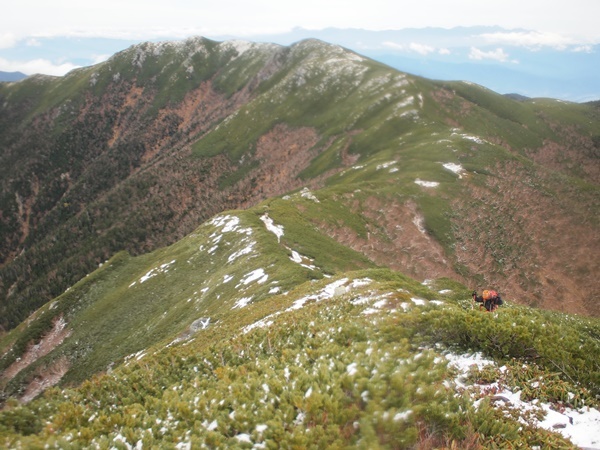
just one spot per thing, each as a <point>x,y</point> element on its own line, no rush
<point>393,45</point>
<point>584,49</point>
<point>144,19</point>
<point>33,42</point>
<point>7,40</point>
<point>529,39</point>
<point>496,55</point>
<point>36,66</point>
<point>422,49</point>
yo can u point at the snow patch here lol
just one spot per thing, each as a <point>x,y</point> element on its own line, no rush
<point>385,165</point>
<point>408,101</point>
<point>327,292</point>
<point>296,257</point>
<point>402,415</point>
<point>361,282</point>
<point>242,302</point>
<point>299,259</point>
<point>210,426</point>
<point>240,46</point>
<point>331,290</point>
<point>429,184</point>
<point>469,137</point>
<point>163,268</point>
<point>262,323</point>
<point>581,426</point>
<point>418,221</point>
<point>200,324</point>
<point>306,193</point>
<point>243,437</point>
<point>244,251</point>
<point>227,223</point>
<point>257,275</point>
<point>352,369</point>
<point>456,168</point>
<point>275,229</point>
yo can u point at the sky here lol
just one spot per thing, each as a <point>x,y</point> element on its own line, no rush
<point>53,37</point>
<point>573,19</point>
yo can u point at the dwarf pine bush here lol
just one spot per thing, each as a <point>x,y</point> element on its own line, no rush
<point>556,344</point>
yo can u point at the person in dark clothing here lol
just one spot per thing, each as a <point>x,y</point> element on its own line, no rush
<point>489,299</point>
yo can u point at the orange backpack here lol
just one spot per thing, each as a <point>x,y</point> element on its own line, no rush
<point>489,294</point>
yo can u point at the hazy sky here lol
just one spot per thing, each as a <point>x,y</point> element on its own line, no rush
<point>148,19</point>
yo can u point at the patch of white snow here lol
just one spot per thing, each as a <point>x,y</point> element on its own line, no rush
<point>244,251</point>
<point>242,302</point>
<point>352,369</point>
<point>306,193</point>
<point>277,230</point>
<point>456,168</point>
<point>428,184</point>
<point>402,415</point>
<point>243,437</point>
<point>385,165</point>
<point>257,275</point>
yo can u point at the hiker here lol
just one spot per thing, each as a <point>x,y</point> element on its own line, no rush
<point>489,299</point>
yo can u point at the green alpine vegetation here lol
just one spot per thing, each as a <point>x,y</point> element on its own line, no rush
<point>238,245</point>
<point>256,330</point>
<point>134,153</point>
<point>360,361</point>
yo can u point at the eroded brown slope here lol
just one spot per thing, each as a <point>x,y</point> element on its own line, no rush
<point>540,247</point>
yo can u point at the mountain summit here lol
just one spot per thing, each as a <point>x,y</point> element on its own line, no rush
<point>255,241</point>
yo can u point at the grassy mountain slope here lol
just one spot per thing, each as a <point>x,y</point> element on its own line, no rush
<point>260,328</point>
<point>310,169</point>
<point>359,359</point>
<point>134,153</point>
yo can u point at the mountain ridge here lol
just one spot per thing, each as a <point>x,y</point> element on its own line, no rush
<point>267,206</point>
<point>11,76</point>
<point>527,63</point>
<point>86,162</point>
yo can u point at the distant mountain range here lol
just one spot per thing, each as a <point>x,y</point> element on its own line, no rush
<point>236,245</point>
<point>11,76</point>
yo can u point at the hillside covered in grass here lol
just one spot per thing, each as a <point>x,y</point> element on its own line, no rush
<point>134,153</point>
<point>239,245</point>
<point>370,360</point>
<point>257,331</point>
